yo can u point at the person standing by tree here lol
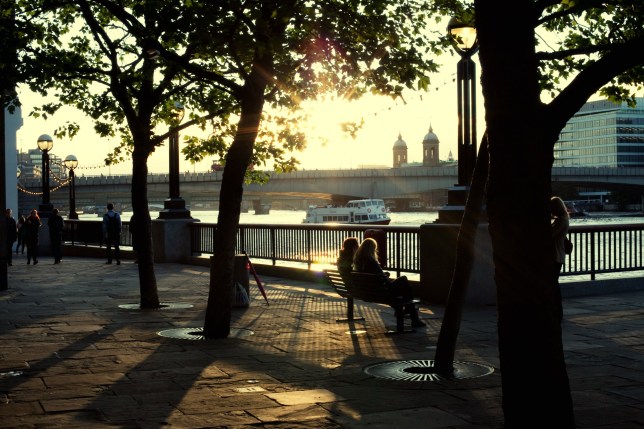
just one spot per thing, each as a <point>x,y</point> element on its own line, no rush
<point>32,225</point>
<point>560,224</point>
<point>12,234</point>
<point>56,225</point>
<point>112,233</point>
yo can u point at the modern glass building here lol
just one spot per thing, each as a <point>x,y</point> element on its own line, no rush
<point>603,134</point>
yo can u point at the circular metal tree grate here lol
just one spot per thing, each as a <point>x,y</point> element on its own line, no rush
<point>423,370</point>
<point>197,333</point>
<point>163,306</point>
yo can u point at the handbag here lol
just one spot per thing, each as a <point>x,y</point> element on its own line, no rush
<point>567,246</point>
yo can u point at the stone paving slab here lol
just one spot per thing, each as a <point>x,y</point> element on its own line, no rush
<point>71,357</point>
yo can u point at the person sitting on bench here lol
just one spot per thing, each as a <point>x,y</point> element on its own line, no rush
<point>345,260</point>
<point>366,261</point>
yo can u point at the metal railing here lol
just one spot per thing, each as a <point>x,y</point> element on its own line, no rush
<point>597,248</point>
<point>605,249</point>
<point>90,233</point>
<point>314,244</point>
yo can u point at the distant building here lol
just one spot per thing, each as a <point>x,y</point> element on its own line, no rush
<point>430,149</point>
<point>603,134</point>
<point>430,152</point>
<point>30,165</point>
<point>400,152</point>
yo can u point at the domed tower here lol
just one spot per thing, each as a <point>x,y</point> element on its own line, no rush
<point>400,152</point>
<point>430,149</point>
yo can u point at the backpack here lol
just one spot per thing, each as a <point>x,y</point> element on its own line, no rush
<point>113,225</point>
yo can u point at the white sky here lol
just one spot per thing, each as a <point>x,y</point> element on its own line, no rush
<point>384,120</point>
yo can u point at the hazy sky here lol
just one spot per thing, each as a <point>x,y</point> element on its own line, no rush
<point>384,120</point>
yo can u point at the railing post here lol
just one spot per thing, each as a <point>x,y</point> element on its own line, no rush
<point>398,253</point>
<point>592,254</point>
<point>308,248</point>
<point>242,238</point>
<point>273,246</point>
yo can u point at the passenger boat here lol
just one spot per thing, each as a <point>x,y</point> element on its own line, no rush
<point>369,211</point>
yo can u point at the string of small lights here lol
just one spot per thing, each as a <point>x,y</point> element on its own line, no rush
<point>61,184</point>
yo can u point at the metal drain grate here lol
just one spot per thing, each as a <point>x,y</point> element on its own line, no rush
<point>197,333</point>
<point>423,370</point>
<point>163,306</point>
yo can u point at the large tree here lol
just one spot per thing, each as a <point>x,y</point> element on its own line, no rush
<point>278,53</point>
<point>125,62</point>
<point>81,55</point>
<point>532,84</point>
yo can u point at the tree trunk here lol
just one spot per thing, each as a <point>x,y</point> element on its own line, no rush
<point>142,229</point>
<point>218,312</point>
<point>536,391</point>
<point>451,325</point>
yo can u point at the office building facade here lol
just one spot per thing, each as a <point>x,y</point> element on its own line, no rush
<point>603,134</point>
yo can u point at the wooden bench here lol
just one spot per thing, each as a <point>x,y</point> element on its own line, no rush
<point>336,279</point>
<point>369,288</point>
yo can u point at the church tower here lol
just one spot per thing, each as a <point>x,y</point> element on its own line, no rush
<point>430,149</point>
<point>400,152</point>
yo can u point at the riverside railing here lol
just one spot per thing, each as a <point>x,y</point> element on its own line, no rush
<point>314,244</point>
<point>597,248</point>
<point>605,249</point>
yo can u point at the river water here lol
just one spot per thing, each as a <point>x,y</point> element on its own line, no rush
<point>397,218</point>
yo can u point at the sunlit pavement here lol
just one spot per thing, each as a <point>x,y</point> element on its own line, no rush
<point>73,355</point>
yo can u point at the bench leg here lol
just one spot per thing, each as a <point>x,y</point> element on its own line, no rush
<point>350,317</point>
<point>400,322</point>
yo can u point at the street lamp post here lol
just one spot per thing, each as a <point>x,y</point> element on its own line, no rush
<point>466,44</point>
<point>464,39</point>
<point>71,162</point>
<point>45,144</point>
<point>175,207</point>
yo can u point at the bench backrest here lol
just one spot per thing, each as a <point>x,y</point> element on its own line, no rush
<point>369,287</point>
<point>337,280</point>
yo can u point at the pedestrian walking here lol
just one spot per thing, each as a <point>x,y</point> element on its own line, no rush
<point>112,233</point>
<point>32,225</point>
<point>20,245</point>
<point>12,234</point>
<point>56,226</point>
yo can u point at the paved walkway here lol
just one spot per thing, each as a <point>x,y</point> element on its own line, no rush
<point>72,357</point>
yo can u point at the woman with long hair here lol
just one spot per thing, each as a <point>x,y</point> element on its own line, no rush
<point>32,225</point>
<point>366,261</point>
<point>347,252</point>
<point>560,222</point>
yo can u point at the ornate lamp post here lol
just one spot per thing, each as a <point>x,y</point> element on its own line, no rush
<point>175,207</point>
<point>71,162</point>
<point>465,43</point>
<point>45,144</point>
<point>464,40</point>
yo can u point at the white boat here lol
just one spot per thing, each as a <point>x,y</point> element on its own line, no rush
<point>370,211</point>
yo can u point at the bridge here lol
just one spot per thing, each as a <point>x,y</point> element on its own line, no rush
<point>401,188</point>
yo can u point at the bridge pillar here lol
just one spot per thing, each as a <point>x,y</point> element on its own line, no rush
<point>438,258</point>
<point>171,240</point>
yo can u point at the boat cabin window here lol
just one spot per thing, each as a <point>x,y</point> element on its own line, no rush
<point>335,218</point>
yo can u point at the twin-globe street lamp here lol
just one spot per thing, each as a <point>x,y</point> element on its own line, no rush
<point>71,162</point>
<point>466,44</point>
<point>175,207</point>
<point>45,144</point>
